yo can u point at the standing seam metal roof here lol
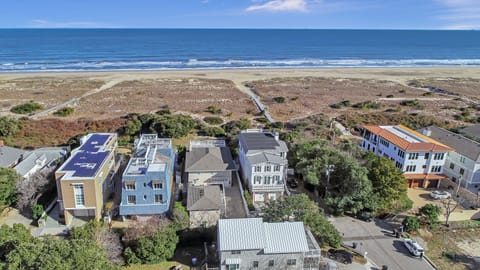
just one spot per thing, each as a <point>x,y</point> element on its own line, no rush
<point>253,233</point>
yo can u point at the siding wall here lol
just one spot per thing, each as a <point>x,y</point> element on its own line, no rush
<point>248,257</point>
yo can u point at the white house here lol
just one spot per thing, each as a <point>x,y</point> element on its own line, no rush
<point>263,159</point>
<point>464,163</point>
<point>420,158</point>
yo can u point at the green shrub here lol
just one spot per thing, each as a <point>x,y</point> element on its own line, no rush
<point>214,109</point>
<point>248,200</point>
<point>37,211</point>
<point>212,120</point>
<point>64,111</point>
<point>213,131</point>
<point>411,223</point>
<point>279,99</point>
<point>8,126</point>
<point>27,108</point>
<point>366,105</point>
<point>339,105</point>
<point>430,212</point>
<point>412,103</point>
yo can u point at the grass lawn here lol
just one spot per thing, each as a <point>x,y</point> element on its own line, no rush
<point>157,266</point>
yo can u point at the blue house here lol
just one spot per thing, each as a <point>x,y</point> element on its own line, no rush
<point>148,178</point>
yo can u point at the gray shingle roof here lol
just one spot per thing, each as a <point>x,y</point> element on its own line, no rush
<point>284,237</point>
<point>10,155</point>
<point>258,140</point>
<point>262,157</point>
<point>473,131</point>
<point>45,155</point>
<point>203,198</point>
<point>209,159</point>
<point>462,145</point>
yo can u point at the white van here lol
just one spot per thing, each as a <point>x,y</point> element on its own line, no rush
<point>414,248</point>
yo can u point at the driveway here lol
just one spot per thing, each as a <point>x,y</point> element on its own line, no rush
<point>382,248</point>
<point>233,200</point>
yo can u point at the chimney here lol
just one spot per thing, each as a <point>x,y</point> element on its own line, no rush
<point>2,143</point>
<point>427,132</point>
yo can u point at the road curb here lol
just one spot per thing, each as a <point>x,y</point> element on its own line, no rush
<point>430,262</point>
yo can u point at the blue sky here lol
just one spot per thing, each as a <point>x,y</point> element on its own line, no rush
<point>324,14</point>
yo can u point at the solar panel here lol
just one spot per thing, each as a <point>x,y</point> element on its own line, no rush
<point>94,142</point>
<point>259,141</point>
<point>85,164</point>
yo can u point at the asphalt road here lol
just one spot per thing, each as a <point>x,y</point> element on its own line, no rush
<point>376,239</point>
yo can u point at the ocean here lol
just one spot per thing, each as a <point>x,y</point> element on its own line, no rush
<point>30,50</point>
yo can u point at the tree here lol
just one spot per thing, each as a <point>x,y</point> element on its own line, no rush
<point>30,189</point>
<point>430,212</point>
<point>11,237</point>
<point>155,248</point>
<point>346,187</point>
<point>105,238</point>
<point>449,205</point>
<point>388,182</point>
<point>180,216</point>
<point>8,126</point>
<point>411,223</point>
<point>301,208</point>
<point>8,192</point>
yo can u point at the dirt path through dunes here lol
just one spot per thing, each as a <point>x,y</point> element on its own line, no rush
<point>106,86</point>
<point>258,102</point>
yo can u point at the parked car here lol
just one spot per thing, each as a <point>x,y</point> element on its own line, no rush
<point>438,195</point>
<point>365,216</point>
<point>413,247</point>
<point>340,255</point>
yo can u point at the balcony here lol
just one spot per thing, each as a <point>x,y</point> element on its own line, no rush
<point>269,188</point>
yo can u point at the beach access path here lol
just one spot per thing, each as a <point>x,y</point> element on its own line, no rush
<point>106,86</point>
<point>248,91</point>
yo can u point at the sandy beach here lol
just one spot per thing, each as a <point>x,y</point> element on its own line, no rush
<point>103,95</point>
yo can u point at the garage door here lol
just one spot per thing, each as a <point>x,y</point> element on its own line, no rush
<point>415,183</point>
<point>432,183</point>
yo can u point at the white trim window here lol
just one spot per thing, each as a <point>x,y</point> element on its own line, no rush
<point>436,168</point>
<point>158,198</point>
<point>131,199</point>
<point>157,185</point>
<point>276,168</point>
<point>130,186</point>
<point>276,179</point>
<point>257,169</point>
<point>267,180</point>
<point>268,168</point>
<point>257,180</point>
<point>79,195</point>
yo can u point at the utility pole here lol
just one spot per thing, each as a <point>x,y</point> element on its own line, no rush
<point>459,184</point>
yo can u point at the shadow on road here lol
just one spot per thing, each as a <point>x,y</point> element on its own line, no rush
<point>400,248</point>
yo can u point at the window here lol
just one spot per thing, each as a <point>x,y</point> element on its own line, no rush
<point>271,263</point>
<point>411,168</point>
<point>438,156</point>
<point>462,159</point>
<point>266,180</point>
<point>282,154</point>
<point>131,199</point>
<point>427,155</point>
<point>255,264</point>
<point>452,166</point>
<point>157,185</point>
<point>291,262</point>
<point>462,171</point>
<point>233,266</point>
<point>144,184</point>
<point>144,197</point>
<point>398,164</point>
<point>268,168</point>
<point>130,186</point>
<point>401,153</point>
<point>276,168</point>
<point>257,180</point>
<point>436,168</point>
<point>413,156</point>
<point>385,143</point>
<point>79,195</point>
<point>236,252</point>
<point>258,168</point>
<point>276,179</point>
<point>158,198</point>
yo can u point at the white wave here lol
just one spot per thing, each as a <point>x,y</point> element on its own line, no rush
<point>232,63</point>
